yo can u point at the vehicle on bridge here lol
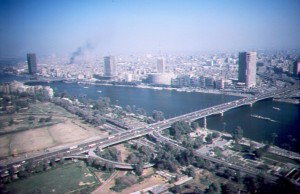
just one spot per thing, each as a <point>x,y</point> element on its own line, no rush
<point>91,145</point>
<point>73,147</point>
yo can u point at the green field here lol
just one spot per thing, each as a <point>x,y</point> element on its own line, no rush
<point>61,180</point>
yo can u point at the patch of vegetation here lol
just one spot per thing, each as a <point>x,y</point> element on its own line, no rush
<point>59,180</point>
<point>124,182</point>
<point>110,153</point>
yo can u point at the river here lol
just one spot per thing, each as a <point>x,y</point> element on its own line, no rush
<point>172,103</point>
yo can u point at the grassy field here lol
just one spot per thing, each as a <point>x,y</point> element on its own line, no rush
<point>65,179</point>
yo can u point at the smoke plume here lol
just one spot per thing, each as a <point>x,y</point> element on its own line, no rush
<point>80,51</point>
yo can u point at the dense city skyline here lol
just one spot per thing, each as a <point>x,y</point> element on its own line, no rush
<point>126,27</point>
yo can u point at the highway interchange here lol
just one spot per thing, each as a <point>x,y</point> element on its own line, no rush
<point>139,132</point>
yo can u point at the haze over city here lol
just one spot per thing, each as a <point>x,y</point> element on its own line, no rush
<point>126,27</point>
<point>150,96</point>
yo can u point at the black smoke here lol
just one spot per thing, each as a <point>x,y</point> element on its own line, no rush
<point>80,51</point>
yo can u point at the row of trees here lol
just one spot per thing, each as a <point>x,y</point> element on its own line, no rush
<point>110,153</point>
<point>170,158</point>
<point>30,168</point>
<point>87,115</point>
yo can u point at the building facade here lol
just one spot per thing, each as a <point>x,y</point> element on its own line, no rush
<point>32,65</point>
<point>160,65</point>
<point>296,68</point>
<point>247,68</point>
<point>159,78</point>
<point>109,66</point>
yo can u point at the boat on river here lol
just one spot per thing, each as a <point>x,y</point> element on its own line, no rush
<point>263,118</point>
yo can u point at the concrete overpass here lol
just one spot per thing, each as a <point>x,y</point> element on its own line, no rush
<point>139,132</point>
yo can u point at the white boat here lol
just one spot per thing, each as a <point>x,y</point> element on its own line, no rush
<point>276,108</point>
<point>99,91</point>
<point>263,118</point>
<point>85,87</point>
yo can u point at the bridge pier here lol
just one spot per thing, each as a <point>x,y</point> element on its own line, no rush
<point>204,122</point>
<point>221,113</point>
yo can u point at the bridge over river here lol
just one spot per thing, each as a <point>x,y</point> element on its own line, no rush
<point>142,131</point>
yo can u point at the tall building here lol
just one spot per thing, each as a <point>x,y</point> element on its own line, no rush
<point>247,68</point>
<point>296,68</point>
<point>32,66</point>
<point>109,66</point>
<point>160,65</point>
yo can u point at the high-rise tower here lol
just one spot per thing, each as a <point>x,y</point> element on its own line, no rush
<point>109,66</point>
<point>31,61</point>
<point>247,68</point>
<point>160,65</point>
<point>296,68</point>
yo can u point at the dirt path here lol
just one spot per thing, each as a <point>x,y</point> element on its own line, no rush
<point>105,187</point>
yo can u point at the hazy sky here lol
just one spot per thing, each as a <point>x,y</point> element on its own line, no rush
<point>129,26</point>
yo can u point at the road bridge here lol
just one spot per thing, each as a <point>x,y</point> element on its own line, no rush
<point>141,131</point>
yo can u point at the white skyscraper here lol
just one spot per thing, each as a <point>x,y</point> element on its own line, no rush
<point>247,68</point>
<point>109,66</point>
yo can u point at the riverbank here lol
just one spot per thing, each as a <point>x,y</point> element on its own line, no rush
<point>184,89</point>
<point>287,100</point>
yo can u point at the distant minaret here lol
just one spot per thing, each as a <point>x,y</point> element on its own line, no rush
<point>31,61</point>
<point>247,68</point>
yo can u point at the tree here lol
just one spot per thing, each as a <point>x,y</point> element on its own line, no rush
<point>227,173</point>
<point>178,128</point>
<point>138,168</point>
<point>158,115</point>
<point>237,134</point>
<point>214,188</point>
<point>175,189</point>
<point>215,135</point>
<point>48,119</point>
<point>31,118</point>
<point>251,184</point>
<point>260,151</point>
<point>10,121</point>
<point>229,188</point>
<point>195,125</point>
<point>190,172</point>
<point>197,142</point>
<point>252,147</point>
<point>199,162</point>
<point>141,111</point>
<point>209,138</point>
<point>102,103</point>
<point>128,109</point>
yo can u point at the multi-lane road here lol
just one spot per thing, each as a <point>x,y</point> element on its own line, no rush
<point>139,132</point>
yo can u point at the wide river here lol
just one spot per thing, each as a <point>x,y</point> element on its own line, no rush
<point>173,103</point>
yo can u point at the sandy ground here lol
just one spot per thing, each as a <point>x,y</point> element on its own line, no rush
<point>153,180</point>
<point>68,132</point>
<point>34,139</point>
<point>148,182</point>
<point>45,137</point>
<point>110,182</point>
